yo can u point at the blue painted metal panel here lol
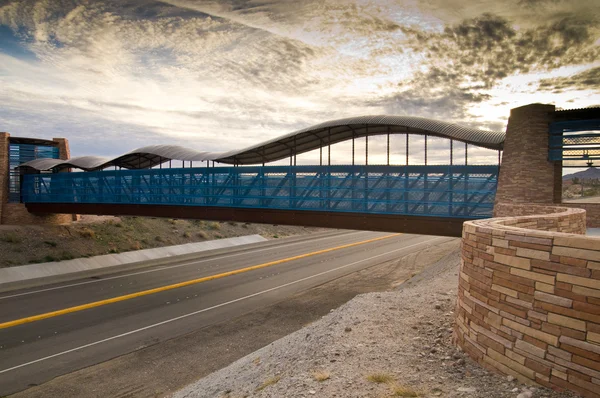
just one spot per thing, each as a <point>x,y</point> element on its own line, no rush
<point>447,191</point>
<point>576,142</point>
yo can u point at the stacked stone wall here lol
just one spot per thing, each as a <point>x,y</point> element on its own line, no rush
<point>529,297</point>
<point>592,211</point>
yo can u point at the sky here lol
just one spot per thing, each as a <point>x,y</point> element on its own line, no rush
<point>114,75</point>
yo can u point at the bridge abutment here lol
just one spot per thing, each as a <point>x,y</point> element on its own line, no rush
<point>13,212</point>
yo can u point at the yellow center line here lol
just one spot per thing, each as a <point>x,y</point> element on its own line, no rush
<point>117,299</point>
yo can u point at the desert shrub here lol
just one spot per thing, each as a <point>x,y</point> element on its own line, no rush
<point>51,243</point>
<point>87,233</point>
<point>214,226</point>
<point>321,375</point>
<point>380,378</point>
<point>202,235</point>
<point>66,256</point>
<point>11,238</point>
<point>269,382</point>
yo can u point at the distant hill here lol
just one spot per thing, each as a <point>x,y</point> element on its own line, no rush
<point>591,173</point>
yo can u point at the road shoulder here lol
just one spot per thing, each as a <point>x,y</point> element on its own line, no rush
<point>160,369</point>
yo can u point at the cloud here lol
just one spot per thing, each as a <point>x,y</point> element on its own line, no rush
<point>225,74</point>
<point>466,61</point>
<point>586,80</point>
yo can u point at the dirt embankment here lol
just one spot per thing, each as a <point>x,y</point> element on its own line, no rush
<point>93,235</point>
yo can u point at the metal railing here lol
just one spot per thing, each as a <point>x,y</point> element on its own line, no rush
<point>447,191</point>
<point>576,143</point>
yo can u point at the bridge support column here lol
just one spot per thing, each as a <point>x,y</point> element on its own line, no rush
<point>526,175</point>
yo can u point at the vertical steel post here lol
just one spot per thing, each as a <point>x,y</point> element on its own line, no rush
<point>329,146</point>
<point>407,149</point>
<point>466,153</point>
<point>352,147</point>
<point>321,155</point>
<point>366,194</point>
<point>451,152</point>
<point>367,146</point>
<point>425,149</point>
<point>388,146</point>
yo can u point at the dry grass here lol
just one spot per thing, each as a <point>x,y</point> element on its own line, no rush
<point>215,226</point>
<point>32,244</point>
<point>399,390</point>
<point>380,378</point>
<point>269,382</point>
<point>321,375</point>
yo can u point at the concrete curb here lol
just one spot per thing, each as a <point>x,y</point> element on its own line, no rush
<point>36,274</point>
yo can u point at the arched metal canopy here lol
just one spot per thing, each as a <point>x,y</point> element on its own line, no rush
<point>297,142</point>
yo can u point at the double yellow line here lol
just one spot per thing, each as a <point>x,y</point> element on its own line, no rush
<point>100,303</point>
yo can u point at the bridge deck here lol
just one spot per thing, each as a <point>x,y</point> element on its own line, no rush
<point>392,192</point>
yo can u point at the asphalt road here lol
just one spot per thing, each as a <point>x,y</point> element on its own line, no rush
<point>136,309</point>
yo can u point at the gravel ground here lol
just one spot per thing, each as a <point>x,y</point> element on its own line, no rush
<point>395,343</point>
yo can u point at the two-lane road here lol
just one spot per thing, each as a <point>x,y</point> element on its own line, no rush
<point>53,330</point>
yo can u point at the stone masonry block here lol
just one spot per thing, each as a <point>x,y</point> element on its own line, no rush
<point>550,298</point>
<point>593,337</point>
<point>530,253</point>
<point>585,254</point>
<point>523,263</point>
<point>580,281</point>
<point>533,275</point>
<point>530,348</point>
<point>565,321</point>
<point>580,344</point>
<point>545,337</point>
<point>581,242</point>
<point>544,287</point>
<point>514,365</point>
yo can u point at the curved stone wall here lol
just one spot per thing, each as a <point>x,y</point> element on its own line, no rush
<point>529,297</point>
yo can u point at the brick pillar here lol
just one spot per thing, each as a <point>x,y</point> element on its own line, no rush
<point>63,148</point>
<point>64,153</point>
<point>526,175</point>
<point>4,169</point>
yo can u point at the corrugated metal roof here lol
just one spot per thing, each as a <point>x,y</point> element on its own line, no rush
<point>296,142</point>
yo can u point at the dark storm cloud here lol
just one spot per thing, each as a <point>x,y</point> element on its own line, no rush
<point>587,80</point>
<point>486,49</point>
<point>537,3</point>
<point>466,60</point>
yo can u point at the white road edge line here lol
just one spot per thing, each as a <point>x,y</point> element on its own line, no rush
<point>210,308</point>
<point>167,267</point>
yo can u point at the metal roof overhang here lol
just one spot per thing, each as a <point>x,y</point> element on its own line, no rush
<point>294,143</point>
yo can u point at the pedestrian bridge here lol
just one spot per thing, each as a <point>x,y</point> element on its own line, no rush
<point>428,199</point>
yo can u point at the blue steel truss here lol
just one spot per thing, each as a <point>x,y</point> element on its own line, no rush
<point>446,191</point>
<point>575,142</point>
